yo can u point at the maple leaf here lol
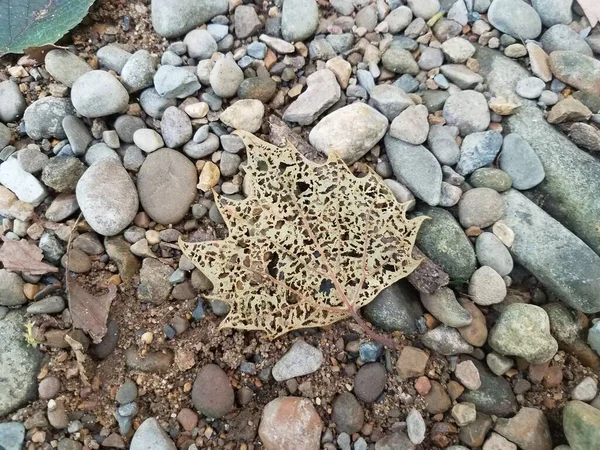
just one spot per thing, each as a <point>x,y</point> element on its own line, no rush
<point>310,245</point>
<point>21,256</point>
<point>89,313</point>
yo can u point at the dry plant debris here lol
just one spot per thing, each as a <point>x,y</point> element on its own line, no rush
<point>21,256</point>
<point>311,245</point>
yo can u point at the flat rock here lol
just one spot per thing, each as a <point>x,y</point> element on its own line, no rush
<point>417,168</point>
<point>322,92</point>
<point>524,330</point>
<point>65,67</point>
<point>244,115</point>
<point>396,308</point>
<point>19,364</point>
<point>556,257</point>
<point>461,75</point>
<point>478,149</point>
<point>43,118</point>
<point>172,20</point>
<point>521,162</point>
<point>581,423</point>
<point>411,125</point>
<point>468,110</point>
<point>107,197</point>
<point>23,184</point>
<point>302,359</point>
<point>299,19</point>
<point>154,284</point>
<point>350,131</point>
<point>212,393</point>
<point>167,185</point>
<point>443,240</point>
<point>172,82</point>
<point>446,340</point>
<point>515,17</point>
<point>150,435</point>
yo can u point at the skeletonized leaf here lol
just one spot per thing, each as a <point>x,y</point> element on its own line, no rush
<point>310,246</point>
<point>21,256</point>
<point>591,8</point>
<point>89,313</point>
<point>33,23</point>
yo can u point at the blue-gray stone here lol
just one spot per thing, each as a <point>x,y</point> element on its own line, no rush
<point>594,336</point>
<point>299,19</point>
<point>396,308</point>
<point>407,83</point>
<point>478,150</point>
<point>520,161</point>
<point>198,312</point>
<point>128,410</point>
<point>169,331</point>
<point>561,261</point>
<point>257,50</point>
<point>172,19</point>
<point>370,351</point>
<point>12,436</point>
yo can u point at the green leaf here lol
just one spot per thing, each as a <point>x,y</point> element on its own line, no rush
<point>32,23</point>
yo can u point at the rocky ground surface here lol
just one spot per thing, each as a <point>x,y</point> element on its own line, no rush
<point>482,114</point>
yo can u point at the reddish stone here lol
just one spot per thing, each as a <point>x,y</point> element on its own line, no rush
<point>553,377</point>
<point>188,419</point>
<point>423,386</point>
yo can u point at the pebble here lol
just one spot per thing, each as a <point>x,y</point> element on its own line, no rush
<point>442,143</point>
<point>389,99</point>
<point>586,390</point>
<point>44,117</point>
<point>23,184</point>
<point>77,133</point>
<point>431,58</point>
<point>446,340</point>
<point>476,332</point>
<point>487,287</point>
<point>437,400</point>
<point>568,109</point>
<point>576,69</point>
<point>411,125</point>
<point>467,110</point>
<point>464,414</point>
<point>398,19</point>
<point>489,177</point>
<point>170,82</point>
<point>63,173</point>
<point>443,305</point>
<point>415,427</point>
<point>492,252</point>
<point>499,364</point>
<point>65,67</point>
<point>515,17</point>
<point>212,393</point>
<point>458,50</point>
<point>208,146</point>
<point>369,382</point>
<point>113,57</point>
<point>347,413</point>
<point>98,94</point>
<point>176,128</point>
<point>290,422</point>
<point>226,77</point>
<point>581,424</point>
<point>299,19</point>
<point>13,104</point>
<point>424,9</point>
<point>246,23</point>
<point>31,159</point>
<point>279,45</point>
<point>62,207</point>
<point>322,92</point>
<point>478,149</point>
<point>528,429</point>
<point>399,60</point>
<point>524,330</point>
<point>467,373</point>
<point>151,435</point>
<point>461,75</point>
<point>562,37</point>
<point>12,435</point>
<point>100,151</point>
<point>127,392</point>
<point>480,207</point>
<point>553,12</point>
<point>416,168</point>
<point>244,115</point>
<point>200,44</point>
<point>530,87</point>
<point>302,359</point>
<point>395,308</point>
<point>350,131</point>
<point>521,162</point>
<point>49,305</point>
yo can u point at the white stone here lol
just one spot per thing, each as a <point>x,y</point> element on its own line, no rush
<point>302,359</point>
<point>25,186</point>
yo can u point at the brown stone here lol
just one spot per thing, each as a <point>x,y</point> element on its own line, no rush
<point>528,429</point>
<point>539,61</point>
<point>568,110</point>
<point>474,433</point>
<point>212,393</point>
<point>411,362</point>
<point>553,376</point>
<point>118,250</point>
<point>150,362</point>
<point>423,386</point>
<point>455,389</point>
<point>442,434</point>
<point>437,401</point>
<point>476,332</point>
<point>290,423</point>
<point>188,419</point>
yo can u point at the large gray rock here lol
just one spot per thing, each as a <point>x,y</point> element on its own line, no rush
<point>570,188</point>
<point>396,308</point>
<point>558,258</point>
<point>13,102</point>
<point>172,19</point>
<point>520,161</point>
<point>150,435</point>
<point>581,423</point>
<point>576,69</point>
<point>299,19</point>
<point>322,92</point>
<point>350,131</point>
<point>12,436</point>
<point>561,37</point>
<point>167,185</point>
<point>443,240</point>
<point>553,12</point>
<point>19,364</point>
<point>98,94</point>
<point>468,110</point>
<point>107,197</point>
<point>43,118</point>
<point>515,17</point>
<point>417,168</point>
<point>65,67</point>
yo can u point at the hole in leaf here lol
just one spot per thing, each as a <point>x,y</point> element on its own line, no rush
<point>262,165</point>
<point>301,187</point>
<point>272,266</point>
<point>326,286</point>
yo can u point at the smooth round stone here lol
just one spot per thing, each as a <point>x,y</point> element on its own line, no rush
<point>107,197</point>
<point>212,393</point>
<point>200,44</point>
<point>100,151</point>
<point>151,435</point>
<point>154,104</point>
<point>399,19</point>
<point>258,88</point>
<point>467,110</point>
<point>521,162</point>
<point>548,98</point>
<point>167,185</point>
<point>197,150</point>
<point>48,305</point>
<point>126,126</point>
<point>299,19</point>
<point>524,330</point>
<point>489,177</point>
<point>347,413</point>
<point>109,342</point>
<point>225,77</point>
<point>411,125</point>
<point>65,67</point>
<point>31,159</point>
<point>13,102</point>
<point>586,390</point>
<point>442,304</point>
<point>11,289</point>
<point>581,423</point>
<point>48,388</point>
<point>99,94</point>
<point>127,393</point>
<point>486,287</point>
<point>113,57</point>
<point>480,207</point>
<point>44,117</point>
<point>476,332</point>
<point>369,382</point>
<point>138,72</point>
<point>553,12</point>
<point>399,60</point>
<point>562,37</point>
<point>148,140</point>
<point>424,9</point>
<point>197,110</point>
<point>530,87</point>
<point>458,50</point>
<point>515,17</point>
<point>176,127</point>
<point>77,133</point>
<point>244,115</point>
<point>492,252</point>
